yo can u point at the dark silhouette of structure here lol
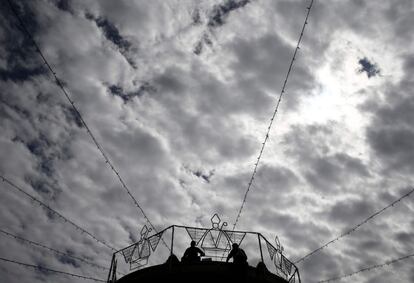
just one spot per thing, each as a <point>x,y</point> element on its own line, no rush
<point>216,245</point>
<point>192,254</point>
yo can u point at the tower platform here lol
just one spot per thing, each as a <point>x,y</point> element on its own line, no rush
<point>202,272</point>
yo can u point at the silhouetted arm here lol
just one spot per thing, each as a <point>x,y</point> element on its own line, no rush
<point>229,256</point>
<point>200,251</point>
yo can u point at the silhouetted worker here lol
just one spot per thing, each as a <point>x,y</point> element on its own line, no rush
<point>238,255</point>
<point>192,253</point>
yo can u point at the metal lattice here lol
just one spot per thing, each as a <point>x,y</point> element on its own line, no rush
<point>154,240</point>
<point>235,237</point>
<point>196,234</point>
<point>142,251</point>
<point>286,265</point>
<point>216,240</point>
<point>272,250</point>
<point>127,253</point>
<point>137,255</point>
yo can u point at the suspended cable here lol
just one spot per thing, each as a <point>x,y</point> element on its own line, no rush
<point>353,229</point>
<point>52,250</point>
<point>54,212</point>
<point>367,269</point>
<point>273,117</point>
<point>75,109</point>
<point>41,268</point>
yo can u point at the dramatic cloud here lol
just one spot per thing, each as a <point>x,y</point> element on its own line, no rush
<point>179,96</point>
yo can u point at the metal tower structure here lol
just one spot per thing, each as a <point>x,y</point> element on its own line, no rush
<point>145,261</point>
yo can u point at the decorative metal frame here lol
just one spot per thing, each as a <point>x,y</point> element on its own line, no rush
<point>212,240</point>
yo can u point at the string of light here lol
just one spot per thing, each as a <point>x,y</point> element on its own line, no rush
<point>52,250</point>
<point>353,229</point>
<point>41,268</point>
<point>54,212</point>
<point>367,269</point>
<point>75,109</point>
<point>273,117</point>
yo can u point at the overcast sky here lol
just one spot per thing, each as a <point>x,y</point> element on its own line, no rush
<point>180,94</point>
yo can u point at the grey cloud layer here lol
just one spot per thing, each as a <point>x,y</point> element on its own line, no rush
<point>184,129</point>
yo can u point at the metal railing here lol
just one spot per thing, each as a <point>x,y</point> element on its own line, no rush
<point>216,242</point>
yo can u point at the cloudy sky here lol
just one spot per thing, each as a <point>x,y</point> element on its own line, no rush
<point>180,94</point>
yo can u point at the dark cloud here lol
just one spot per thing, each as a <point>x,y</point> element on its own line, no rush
<point>19,73</point>
<point>371,69</point>
<point>64,5</point>
<point>72,116</point>
<point>198,48</point>
<point>264,62</point>
<point>291,230</point>
<point>21,59</point>
<point>405,240</point>
<point>219,13</point>
<point>326,173</point>
<point>111,33</point>
<point>394,146</point>
<point>196,17</point>
<point>202,43</point>
<point>400,14</point>
<point>347,211</point>
<point>215,18</point>
<point>272,185</point>
<point>390,133</point>
<point>206,177</point>
<point>145,88</point>
<point>68,260</point>
<point>315,148</point>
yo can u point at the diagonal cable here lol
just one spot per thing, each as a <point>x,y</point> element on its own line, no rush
<point>75,109</point>
<point>41,268</point>
<point>353,229</point>
<point>372,267</point>
<point>273,117</point>
<point>54,212</point>
<point>52,249</point>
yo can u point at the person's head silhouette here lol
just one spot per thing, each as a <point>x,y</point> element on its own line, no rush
<point>193,243</point>
<point>235,246</point>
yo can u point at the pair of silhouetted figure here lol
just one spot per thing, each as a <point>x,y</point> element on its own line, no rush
<point>193,254</point>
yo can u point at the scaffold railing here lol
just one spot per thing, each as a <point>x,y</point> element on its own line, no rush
<point>216,242</point>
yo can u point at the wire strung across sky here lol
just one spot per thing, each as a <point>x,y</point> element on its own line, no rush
<point>41,268</point>
<point>353,229</point>
<point>33,198</point>
<point>72,103</point>
<point>273,117</point>
<point>368,268</point>
<point>52,250</point>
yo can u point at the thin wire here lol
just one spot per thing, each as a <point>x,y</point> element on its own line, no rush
<point>41,268</point>
<point>355,227</point>
<point>72,103</point>
<point>77,227</point>
<point>273,117</point>
<point>52,250</point>
<point>367,269</point>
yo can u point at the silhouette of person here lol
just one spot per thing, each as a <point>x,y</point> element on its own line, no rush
<point>191,254</point>
<point>238,255</point>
